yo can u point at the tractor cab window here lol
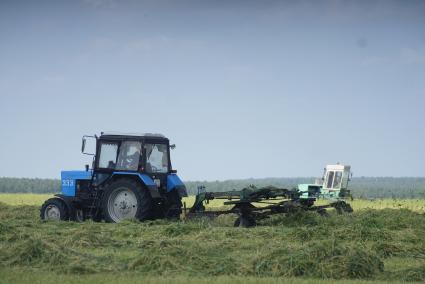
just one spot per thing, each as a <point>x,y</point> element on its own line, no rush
<point>156,158</point>
<point>129,156</point>
<point>108,155</point>
<point>337,180</point>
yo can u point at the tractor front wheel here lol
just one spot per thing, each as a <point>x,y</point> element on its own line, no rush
<point>54,209</point>
<point>126,199</point>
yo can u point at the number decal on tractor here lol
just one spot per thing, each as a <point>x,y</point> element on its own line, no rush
<point>67,182</point>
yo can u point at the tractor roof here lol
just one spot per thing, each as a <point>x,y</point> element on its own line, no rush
<point>137,135</point>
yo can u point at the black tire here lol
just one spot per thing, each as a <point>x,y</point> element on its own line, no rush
<point>143,208</point>
<point>79,215</point>
<point>343,207</point>
<point>348,208</point>
<point>307,202</point>
<point>322,212</point>
<point>174,205</point>
<point>245,222</point>
<point>97,216</point>
<point>54,209</point>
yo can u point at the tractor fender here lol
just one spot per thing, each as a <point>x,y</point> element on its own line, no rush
<point>175,183</point>
<point>146,180</point>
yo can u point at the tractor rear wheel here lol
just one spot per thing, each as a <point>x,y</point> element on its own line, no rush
<point>54,209</point>
<point>126,199</point>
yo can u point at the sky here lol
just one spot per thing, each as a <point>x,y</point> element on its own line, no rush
<point>243,88</point>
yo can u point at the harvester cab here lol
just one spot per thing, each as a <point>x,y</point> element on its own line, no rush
<point>131,177</point>
<point>333,185</point>
<point>335,181</point>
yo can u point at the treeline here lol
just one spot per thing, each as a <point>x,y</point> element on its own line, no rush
<point>29,185</point>
<point>362,187</point>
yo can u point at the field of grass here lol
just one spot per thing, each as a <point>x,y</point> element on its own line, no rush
<point>417,205</point>
<point>382,241</point>
<point>24,198</point>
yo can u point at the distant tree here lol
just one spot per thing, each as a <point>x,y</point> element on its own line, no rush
<point>362,187</point>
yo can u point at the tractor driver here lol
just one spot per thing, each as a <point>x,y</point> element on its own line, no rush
<point>132,161</point>
<point>130,158</point>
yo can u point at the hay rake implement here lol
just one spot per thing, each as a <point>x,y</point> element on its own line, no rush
<point>252,204</point>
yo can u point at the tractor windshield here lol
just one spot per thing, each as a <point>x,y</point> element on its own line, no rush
<point>333,179</point>
<point>156,158</point>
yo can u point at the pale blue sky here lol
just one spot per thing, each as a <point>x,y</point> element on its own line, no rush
<point>244,88</point>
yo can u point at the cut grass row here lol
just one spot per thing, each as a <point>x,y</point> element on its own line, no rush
<point>34,277</point>
<point>381,245</point>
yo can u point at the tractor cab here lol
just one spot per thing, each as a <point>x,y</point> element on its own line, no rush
<point>145,155</point>
<point>139,153</point>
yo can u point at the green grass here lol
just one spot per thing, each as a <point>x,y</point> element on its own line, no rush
<point>33,277</point>
<point>417,205</point>
<point>24,198</point>
<point>383,244</point>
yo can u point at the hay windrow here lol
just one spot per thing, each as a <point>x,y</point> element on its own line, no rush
<point>321,260</point>
<point>34,251</point>
<point>356,246</point>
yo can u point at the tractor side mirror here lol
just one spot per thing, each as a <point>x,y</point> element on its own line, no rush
<point>173,146</point>
<point>84,142</point>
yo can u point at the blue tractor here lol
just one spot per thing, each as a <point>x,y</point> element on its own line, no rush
<point>131,177</point>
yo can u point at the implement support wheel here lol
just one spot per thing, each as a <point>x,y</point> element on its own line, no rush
<point>343,207</point>
<point>245,222</point>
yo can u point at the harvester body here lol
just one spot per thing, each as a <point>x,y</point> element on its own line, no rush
<point>333,185</point>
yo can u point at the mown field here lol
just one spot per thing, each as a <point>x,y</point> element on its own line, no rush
<point>417,205</point>
<point>382,241</point>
